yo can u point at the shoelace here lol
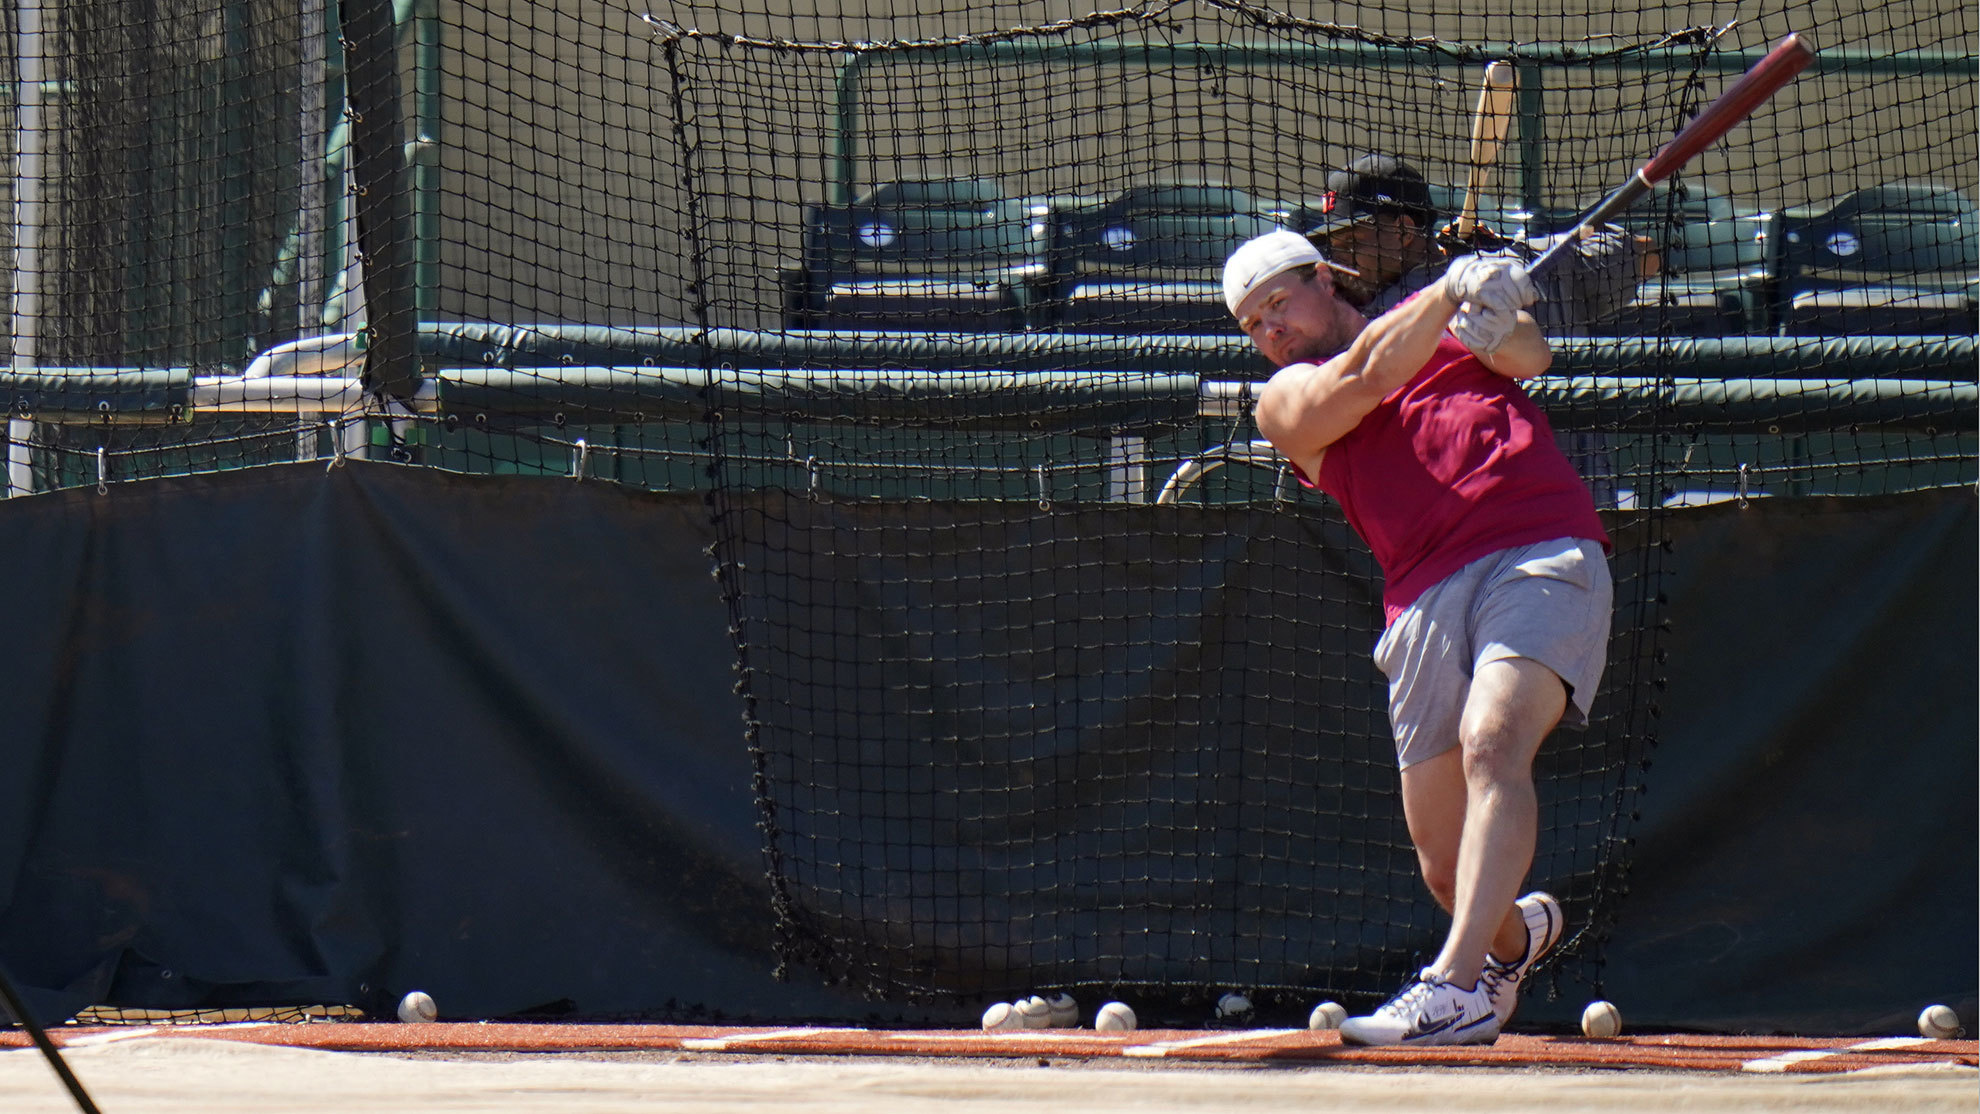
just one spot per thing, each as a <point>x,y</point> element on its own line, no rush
<point>1411,995</point>
<point>1499,976</point>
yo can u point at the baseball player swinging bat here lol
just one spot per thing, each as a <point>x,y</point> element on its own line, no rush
<point>1788,58</point>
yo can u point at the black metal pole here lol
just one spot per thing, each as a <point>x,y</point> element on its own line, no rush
<point>40,1038</point>
<point>383,205</point>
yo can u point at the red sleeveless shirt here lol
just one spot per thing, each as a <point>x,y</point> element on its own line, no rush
<point>1455,464</point>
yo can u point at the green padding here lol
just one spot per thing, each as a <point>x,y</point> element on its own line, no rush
<point>658,346</point>
<point>66,393</point>
<point>1759,405</point>
<point>1817,358</point>
<point>1212,357</point>
<point>1097,401</point>
<point>1062,401</point>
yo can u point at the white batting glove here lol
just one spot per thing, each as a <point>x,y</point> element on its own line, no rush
<point>1483,328</point>
<point>1498,281</point>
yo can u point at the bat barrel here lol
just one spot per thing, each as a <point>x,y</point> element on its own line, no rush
<point>1788,58</point>
<point>1489,125</point>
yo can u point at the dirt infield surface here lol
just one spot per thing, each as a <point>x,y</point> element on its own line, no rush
<point>540,1069</point>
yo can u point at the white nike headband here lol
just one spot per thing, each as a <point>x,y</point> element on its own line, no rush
<point>1259,259</point>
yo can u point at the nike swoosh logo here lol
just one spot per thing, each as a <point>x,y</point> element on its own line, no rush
<point>1427,1026</point>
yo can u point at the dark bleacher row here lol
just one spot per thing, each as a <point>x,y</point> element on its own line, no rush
<point>959,254</point>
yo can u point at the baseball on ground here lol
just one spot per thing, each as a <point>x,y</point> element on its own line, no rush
<point>1065,1011</point>
<point>1601,1020</point>
<point>1114,1017</point>
<point>417,1006</point>
<point>1034,1013</point>
<point>1327,1015</point>
<point>1938,1022</point>
<point>1001,1016</point>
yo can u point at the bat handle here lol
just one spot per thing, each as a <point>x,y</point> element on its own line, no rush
<point>1623,197</point>
<point>1474,186</point>
<point>1467,219</point>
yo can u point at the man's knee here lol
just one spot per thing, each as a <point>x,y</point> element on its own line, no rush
<point>1439,876</point>
<point>1514,704</point>
<point>1496,755</point>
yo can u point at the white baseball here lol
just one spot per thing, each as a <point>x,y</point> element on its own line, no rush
<point>417,1006</point>
<point>1001,1016</point>
<point>1938,1022</point>
<point>1065,1011</point>
<point>1034,1013</point>
<point>1114,1017</point>
<point>1233,1005</point>
<point>1327,1015</point>
<point>1601,1020</point>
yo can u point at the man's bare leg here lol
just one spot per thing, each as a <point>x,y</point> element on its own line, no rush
<point>1513,705</point>
<point>1433,793</point>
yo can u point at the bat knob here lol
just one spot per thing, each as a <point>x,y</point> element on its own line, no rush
<point>1481,238</point>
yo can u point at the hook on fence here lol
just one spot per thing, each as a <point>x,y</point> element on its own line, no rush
<point>336,435</point>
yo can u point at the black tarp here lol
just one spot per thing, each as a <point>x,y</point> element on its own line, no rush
<point>309,735</point>
<point>322,737</point>
<point>1807,856</point>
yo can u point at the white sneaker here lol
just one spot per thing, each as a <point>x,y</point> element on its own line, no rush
<point>1428,1011</point>
<point>1544,925</point>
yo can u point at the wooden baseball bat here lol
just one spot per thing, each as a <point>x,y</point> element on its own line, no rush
<point>1489,125</point>
<point>1788,58</point>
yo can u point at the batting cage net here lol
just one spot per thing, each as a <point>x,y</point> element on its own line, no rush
<point>1052,674</point>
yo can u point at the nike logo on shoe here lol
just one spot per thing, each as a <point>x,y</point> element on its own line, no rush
<point>1429,1026</point>
<point>1429,1011</point>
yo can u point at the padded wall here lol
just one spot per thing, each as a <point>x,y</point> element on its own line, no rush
<point>309,735</point>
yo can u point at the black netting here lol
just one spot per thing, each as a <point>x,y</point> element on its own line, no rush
<point>1052,675</point>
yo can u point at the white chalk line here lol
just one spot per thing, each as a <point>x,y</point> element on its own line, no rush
<point>1786,1060</point>
<point>103,1038</point>
<point>1163,1048</point>
<point>1047,1035</point>
<point>719,1044</point>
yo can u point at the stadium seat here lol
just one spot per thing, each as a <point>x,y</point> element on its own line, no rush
<point>1896,259</point>
<point>944,254</point>
<point>1149,259</point>
<point>1714,264</point>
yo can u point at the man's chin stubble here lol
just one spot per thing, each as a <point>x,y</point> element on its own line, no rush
<point>1307,351</point>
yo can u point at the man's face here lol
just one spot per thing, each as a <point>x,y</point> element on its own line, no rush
<point>1296,317</point>
<point>1382,246</point>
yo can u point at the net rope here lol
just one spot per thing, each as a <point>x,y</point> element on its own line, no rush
<point>1050,676</point>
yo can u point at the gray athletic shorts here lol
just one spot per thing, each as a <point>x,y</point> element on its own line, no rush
<point>1548,603</point>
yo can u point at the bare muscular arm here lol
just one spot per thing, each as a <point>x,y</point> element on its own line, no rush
<point>1523,355</point>
<point>1306,407</point>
